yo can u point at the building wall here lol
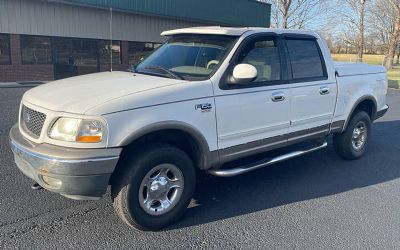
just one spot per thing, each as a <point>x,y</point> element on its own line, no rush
<point>135,21</point>
<point>222,12</point>
<point>20,72</point>
<point>55,19</point>
<point>36,17</point>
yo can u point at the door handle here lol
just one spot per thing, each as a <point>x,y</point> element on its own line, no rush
<point>324,90</point>
<point>278,97</point>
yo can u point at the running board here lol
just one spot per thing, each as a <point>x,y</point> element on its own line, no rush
<point>247,168</point>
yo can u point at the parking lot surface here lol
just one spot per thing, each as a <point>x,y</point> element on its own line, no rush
<point>317,201</point>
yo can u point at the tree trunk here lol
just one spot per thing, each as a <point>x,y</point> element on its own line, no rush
<point>361,39</point>
<point>394,39</point>
<point>284,6</point>
<point>398,56</point>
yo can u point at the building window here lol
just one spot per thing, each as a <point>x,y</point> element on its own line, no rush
<point>139,50</point>
<point>62,54</point>
<point>5,49</point>
<point>36,49</point>
<point>105,52</point>
<point>84,52</point>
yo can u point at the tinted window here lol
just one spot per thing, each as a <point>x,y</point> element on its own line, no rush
<point>5,49</point>
<point>84,52</point>
<point>36,50</point>
<point>62,47</point>
<point>264,55</point>
<point>305,58</point>
<point>105,52</point>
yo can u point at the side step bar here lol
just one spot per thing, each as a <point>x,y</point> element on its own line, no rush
<point>247,168</point>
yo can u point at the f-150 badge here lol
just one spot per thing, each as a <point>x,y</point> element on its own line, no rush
<point>204,107</point>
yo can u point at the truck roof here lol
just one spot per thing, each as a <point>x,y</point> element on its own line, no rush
<point>232,31</point>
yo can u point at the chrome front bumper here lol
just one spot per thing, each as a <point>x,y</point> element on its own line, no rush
<point>83,173</point>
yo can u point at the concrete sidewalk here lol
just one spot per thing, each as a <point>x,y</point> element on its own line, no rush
<point>26,84</point>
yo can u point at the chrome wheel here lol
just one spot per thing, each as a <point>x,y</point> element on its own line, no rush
<point>161,189</point>
<point>359,136</point>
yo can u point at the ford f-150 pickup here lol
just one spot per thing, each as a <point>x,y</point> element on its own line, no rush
<point>223,100</point>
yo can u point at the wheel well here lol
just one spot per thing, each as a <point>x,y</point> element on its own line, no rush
<point>181,139</point>
<point>368,106</point>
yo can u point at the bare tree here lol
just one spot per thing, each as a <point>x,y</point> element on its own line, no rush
<point>361,35</point>
<point>295,13</point>
<point>352,13</point>
<point>385,23</point>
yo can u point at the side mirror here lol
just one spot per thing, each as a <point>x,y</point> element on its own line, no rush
<point>243,73</point>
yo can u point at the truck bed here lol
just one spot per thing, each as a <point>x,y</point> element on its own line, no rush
<point>351,69</point>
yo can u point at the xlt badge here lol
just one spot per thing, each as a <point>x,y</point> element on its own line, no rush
<point>204,107</point>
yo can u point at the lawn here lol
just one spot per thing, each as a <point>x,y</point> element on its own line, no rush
<point>393,75</point>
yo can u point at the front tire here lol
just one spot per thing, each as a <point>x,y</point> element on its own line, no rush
<point>154,188</point>
<point>352,143</point>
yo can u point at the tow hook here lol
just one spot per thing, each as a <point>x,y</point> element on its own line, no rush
<point>36,186</point>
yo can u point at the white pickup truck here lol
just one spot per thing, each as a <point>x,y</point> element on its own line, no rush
<point>223,100</point>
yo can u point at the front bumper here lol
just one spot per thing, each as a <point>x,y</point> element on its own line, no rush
<point>84,173</point>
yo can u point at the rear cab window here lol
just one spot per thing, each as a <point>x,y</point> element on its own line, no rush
<point>305,59</point>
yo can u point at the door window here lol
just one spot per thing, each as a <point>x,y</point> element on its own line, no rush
<point>263,54</point>
<point>305,58</point>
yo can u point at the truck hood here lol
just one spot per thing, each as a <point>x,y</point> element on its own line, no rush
<point>81,93</point>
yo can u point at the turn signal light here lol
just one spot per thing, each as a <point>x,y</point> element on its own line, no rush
<point>88,139</point>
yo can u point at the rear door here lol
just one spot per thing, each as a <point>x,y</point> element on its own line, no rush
<point>313,93</point>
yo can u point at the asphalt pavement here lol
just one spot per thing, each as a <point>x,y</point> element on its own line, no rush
<point>317,201</point>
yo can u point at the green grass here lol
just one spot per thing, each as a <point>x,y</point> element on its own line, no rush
<point>394,78</point>
<point>393,74</point>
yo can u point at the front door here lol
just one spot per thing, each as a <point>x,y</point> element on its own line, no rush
<point>253,117</point>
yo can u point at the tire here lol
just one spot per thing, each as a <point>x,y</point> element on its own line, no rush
<point>345,145</point>
<point>144,177</point>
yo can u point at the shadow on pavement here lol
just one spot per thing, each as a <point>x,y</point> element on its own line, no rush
<point>312,176</point>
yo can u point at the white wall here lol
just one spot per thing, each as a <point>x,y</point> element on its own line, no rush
<point>36,17</point>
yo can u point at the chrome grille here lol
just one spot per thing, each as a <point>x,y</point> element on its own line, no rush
<point>32,121</point>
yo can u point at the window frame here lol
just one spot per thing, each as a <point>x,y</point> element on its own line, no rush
<point>288,36</point>
<point>9,50</point>
<point>224,81</point>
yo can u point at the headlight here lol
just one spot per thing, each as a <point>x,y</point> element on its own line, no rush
<point>77,130</point>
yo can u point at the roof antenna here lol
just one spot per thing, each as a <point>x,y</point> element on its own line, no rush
<point>111,40</point>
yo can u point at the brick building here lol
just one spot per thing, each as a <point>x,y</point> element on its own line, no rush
<point>42,40</point>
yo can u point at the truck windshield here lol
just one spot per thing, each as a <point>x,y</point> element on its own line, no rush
<point>189,57</point>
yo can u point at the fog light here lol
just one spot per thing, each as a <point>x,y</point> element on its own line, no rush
<point>52,182</point>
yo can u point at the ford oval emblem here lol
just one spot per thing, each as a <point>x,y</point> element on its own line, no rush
<point>27,117</point>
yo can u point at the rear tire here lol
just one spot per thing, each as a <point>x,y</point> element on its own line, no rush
<point>154,187</point>
<point>352,143</point>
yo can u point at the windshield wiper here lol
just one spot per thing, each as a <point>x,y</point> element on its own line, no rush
<point>169,72</point>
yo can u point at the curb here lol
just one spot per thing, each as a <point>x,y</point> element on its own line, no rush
<point>20,84</point>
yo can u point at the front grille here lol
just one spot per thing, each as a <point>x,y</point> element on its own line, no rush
<point>32,121</point>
